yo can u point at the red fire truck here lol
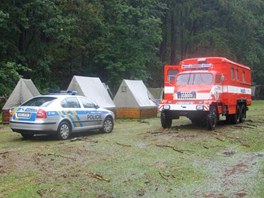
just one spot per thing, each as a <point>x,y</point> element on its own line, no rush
<point>203,89</point>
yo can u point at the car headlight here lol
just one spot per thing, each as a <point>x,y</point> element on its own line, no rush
<point>166,107</point>
<point>199,107</point>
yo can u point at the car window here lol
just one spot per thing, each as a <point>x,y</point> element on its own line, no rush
<point>86,103</point>
<point>39,101</point>
<point>70,102</point>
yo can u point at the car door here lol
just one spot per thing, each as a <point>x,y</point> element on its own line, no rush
<point>71,109</point>
<point>93,117</point>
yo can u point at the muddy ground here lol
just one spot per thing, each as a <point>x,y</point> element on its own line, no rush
<point>138,159</point>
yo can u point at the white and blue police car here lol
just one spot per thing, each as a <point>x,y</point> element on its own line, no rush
<point>60,115</point>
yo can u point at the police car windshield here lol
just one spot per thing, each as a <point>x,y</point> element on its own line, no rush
<point>195,79</point>
<point>39,101</point>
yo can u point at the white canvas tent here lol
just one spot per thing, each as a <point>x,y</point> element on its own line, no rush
<point>133,100</point>
<point>93,89</point>
<point>24,90</point>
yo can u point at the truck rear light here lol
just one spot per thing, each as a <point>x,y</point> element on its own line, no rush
<point>41,114</point>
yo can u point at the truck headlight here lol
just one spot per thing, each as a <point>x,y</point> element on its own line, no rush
<point>166,107</point>
<point>199,107</point>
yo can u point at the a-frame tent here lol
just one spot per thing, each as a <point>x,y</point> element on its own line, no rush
<point>93,89</point>
<point>133,100</point>
<point>24,90</point>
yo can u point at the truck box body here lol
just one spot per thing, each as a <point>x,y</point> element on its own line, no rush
<point>200,87</point>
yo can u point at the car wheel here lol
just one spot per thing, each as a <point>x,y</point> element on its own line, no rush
<point>165,120</point>
<point>212,118</point>
<point>64,130</point>
<point>27,135</point>
<point>108,125</point>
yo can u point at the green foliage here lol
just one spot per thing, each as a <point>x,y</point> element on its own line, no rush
<point>9,75</point>
<point>116,39</point>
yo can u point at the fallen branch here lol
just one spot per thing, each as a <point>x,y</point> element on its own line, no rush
<point>155,132</point>
<point>57,155</point>
<point>173,148</point>
<point>4,153</point>
<point>245,126</point>
<point>126,145</point>
<point>75,139</point>
<point>97,176</point>
<point>221,139</point>
<point>163,176</point>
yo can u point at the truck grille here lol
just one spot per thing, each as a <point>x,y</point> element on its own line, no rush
<point>186,95</point>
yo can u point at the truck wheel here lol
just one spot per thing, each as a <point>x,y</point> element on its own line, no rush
<point>212,118</point>
<point>234,118</point>
<point>243,113</point>
<point>64,130</point>
<point>165,120</point>
<point>237,115</point>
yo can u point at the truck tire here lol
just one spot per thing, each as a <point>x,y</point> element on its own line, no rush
<point>166,121</point>
<point>211,118</point>
<point>243,113</point>
<point>234,118</point>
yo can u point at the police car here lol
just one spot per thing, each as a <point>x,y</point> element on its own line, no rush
<point>60,115</point>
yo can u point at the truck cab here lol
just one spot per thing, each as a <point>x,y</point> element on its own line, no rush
<point>206,88</point>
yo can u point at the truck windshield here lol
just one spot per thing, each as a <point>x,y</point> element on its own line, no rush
<point>195,79</point>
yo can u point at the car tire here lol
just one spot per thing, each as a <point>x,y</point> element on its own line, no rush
<point>108,125</point>
<point>64,130</point>
<point>27,135</point>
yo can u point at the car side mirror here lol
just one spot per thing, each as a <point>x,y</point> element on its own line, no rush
<point>96,106</point>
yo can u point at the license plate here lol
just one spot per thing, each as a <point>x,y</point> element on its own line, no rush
<point>23,115</point>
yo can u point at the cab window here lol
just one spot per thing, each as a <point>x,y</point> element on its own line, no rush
<point>232,73</point>
<point>70,103</point>
<point>172,75</point>
<point>243,76</point>
<point>86,103</point>
<point>218,79</point>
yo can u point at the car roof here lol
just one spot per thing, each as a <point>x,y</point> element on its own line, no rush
<point>59,95</point>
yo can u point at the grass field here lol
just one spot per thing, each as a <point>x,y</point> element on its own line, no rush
<point>139,159</point>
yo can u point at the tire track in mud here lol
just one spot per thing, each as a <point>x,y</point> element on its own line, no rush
<point>231,177</point>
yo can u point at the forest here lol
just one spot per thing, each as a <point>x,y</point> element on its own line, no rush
<point>49,41</point>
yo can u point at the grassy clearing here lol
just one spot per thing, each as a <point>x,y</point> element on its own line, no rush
<point>139,159</point>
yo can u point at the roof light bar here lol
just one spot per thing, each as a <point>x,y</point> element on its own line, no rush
<point>197,66</point>
<point>70,92</point>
